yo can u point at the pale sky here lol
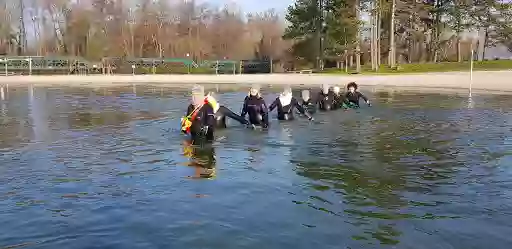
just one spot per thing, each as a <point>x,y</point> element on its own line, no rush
<point>258,5</point>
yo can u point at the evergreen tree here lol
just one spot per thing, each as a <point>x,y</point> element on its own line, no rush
<point>309,20</point>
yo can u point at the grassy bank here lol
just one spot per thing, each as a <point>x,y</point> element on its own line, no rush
<point>431,67</point>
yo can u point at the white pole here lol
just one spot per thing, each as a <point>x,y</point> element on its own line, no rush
<point>6,73</point>
<point>271,65</point>
<point>31,92</point>
<point>217,68</point>
<point>133,69</point>
<point>2,94</point>
<point>29,66</point>
<point>471,72</point>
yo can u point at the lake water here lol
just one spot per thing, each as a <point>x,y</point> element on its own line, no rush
<point>108,168</point>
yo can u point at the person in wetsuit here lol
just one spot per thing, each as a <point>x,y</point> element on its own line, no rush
<point>353,95</point>
<point>285,104</point>
<point>338,96</point>
<point>221,112</point>
<point>326,99</point>
<point>199,121</point>
<point>255,106</point>
<point>307,103</point>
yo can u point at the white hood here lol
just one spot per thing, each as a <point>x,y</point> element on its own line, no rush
<point>197,95</point>
<point>305,95</point>
<point>286,96</point>
<point>325,88</point>
<point>336,89</point>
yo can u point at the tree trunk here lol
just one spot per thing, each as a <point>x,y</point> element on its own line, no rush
<point>358,40</point>
<point>379,22</point>
<point>459,54</point>
<point>372,38</point>
<point>486,37</point>
<point>392,52</point>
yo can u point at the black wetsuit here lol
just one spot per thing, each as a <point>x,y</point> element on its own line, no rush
<point>286,112</point>
<point>339,99</point>
<point>257,109</point>
<point>353,98</point>
<point>222,113</point>
<point>203,125</point>
<point>326,102</point>
<point>220,116</point>
<point>309,106</point>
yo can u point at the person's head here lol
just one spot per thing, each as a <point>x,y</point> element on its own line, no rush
<point>197,95</point>
<point>325,88</point>
<point>305,95</point>
<point>254,91</point>
<point>287,91</point>
<point>336,89</point>
<point>352,87</point>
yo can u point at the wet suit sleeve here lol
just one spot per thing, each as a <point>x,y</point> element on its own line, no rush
<point>244,107</point>
<point>318,98</point>
<point>273,105</point>
<point>300,108</point>
<point>264,112</point>
<point>228,113</point>
<point>362,96</point>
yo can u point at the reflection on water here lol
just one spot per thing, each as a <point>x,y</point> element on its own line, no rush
<point>202,158</point>
<point>109,168</point>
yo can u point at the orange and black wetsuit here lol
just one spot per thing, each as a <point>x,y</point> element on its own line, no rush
<point>202,125</point>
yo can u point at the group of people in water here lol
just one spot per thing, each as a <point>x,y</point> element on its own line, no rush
<point>205,114</point>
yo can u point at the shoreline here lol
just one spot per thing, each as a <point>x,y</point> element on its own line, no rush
<point>483,81</point>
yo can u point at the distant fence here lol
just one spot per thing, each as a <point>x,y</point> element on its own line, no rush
<point>44,65</point>
<point>28,65</point>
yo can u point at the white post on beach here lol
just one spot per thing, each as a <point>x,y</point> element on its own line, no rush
<point>470,37</point>
<point>188,64</point>
<point>133,69</point>
<point>217,68</point>
<point>2,94</point>
<point>29,66</point>
<point>271,65</point>
<point>31,91</point>
<point>471,72</point>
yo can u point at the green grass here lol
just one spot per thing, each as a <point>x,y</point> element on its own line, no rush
<point>493,65</point>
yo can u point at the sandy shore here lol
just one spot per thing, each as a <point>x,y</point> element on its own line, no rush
<point>495,81</point>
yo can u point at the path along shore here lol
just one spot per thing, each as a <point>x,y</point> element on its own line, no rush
<point>492,81</point>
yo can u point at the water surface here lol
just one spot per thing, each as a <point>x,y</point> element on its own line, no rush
<point>108,168</point>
